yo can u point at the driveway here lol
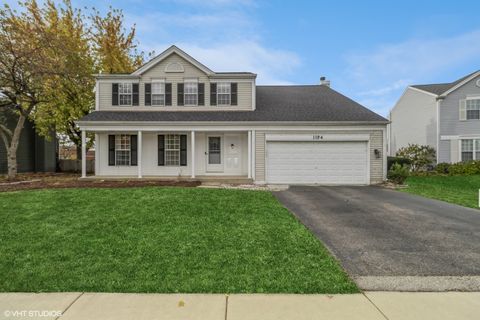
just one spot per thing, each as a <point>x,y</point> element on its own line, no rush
<point>387,239</point>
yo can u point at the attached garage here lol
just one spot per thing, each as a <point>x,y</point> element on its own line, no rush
<point>317,159</point>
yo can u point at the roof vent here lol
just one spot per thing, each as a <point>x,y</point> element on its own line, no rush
<point>324,82</point>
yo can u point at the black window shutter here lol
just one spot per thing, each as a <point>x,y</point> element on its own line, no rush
<point>114,94</point>
<point>168,94</point>
<point>179,94</point>
<point>183,150</point>
<point>201,94</point>
<point>148,94</point>
<point>133,150</point>
<point>161,150</point>
<point>213,94</point>
<point>135,94</point>
<point>111,150</point>
<point>234,95</point>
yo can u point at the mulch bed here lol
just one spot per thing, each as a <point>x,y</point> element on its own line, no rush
<point>57,181</point>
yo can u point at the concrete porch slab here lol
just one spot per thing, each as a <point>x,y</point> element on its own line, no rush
<point>301,307</point>
<point>427,305</point>
<point>123,306</point>
<point>35,305</point>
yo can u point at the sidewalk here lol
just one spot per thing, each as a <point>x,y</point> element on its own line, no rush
<point>119,306</point>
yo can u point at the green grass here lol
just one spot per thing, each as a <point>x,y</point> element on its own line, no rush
<point>160,240</point>
<point>462,190</point>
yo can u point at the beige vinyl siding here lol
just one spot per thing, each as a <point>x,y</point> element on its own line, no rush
<point>376,142</point>
<point>190,71</point>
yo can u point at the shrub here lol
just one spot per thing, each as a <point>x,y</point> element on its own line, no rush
<point>443,168</point>
<point>420,156</point>
<point>465,168</point>
<point>399,160</point>
<point>398,173</point>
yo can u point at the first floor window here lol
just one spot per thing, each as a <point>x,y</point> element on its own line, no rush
<point>223,94</point>
<point>125,94</point>
<point>172,150</point>
<point>191,93</point>
<point>470,149</point>
<point>122,150</point>
<point>473,109</point>
<point>158,94</point>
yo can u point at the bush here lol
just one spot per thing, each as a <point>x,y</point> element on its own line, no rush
<point>465,168</point>
<point>398,173</point>
<point>401,161</point>
<point>443,168</point>
<point>420,156</point>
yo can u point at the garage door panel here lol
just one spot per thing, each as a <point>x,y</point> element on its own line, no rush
<point>317,162</point>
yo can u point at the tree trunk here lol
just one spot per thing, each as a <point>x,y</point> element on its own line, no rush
<point>12,150</point>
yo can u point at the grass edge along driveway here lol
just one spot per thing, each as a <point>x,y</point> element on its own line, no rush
<point>165,240</point>
<point>461,190</point>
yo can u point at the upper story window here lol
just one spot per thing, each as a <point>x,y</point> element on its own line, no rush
<point>158,94</point>
<point>190,93</point>
<point>473,109</point>
<point>125,94</point>
<point>470,149</point>
<point>223,94</point>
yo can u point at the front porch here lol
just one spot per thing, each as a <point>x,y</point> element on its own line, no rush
<point>206,155</point>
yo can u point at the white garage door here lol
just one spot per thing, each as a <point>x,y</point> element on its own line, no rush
<point>317,162</point>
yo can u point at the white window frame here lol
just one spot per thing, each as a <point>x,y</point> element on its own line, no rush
<point>172,147</point>
<point>125,89</point>
<point>476,107</point>
<point>123,146</point>
<point>229,93</point>
<point>161,88</point>
<point>475,150</point>
<point>186,84</point>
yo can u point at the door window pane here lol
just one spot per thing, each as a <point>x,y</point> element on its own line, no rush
<point>214,150</point>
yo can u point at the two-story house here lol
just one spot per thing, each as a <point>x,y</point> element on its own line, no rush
<point>176,118</point>
<point>445,116</point>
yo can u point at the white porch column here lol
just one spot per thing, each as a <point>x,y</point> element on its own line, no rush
<point>192,136</point>
<point>254,145</point>
<point>139,153</point>
<point>84,154</point>
<point>249,148</point>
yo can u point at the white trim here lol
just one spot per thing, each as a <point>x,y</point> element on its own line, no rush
<point>317,137</point>
<point>213,80</point>
<point>167,53</point>
<point>464,136</point>
<point>136,80</point>
<point>473,76</point>
<point>437,114</point>
<point>97,153</point>
<point>368,162</point>
<point>254,94</point>
<point>215,168</point>
<point>384,155</point>
<point>139,153</point>
<point>472,97</point>
<point>422,91</point>
<point>192,152</point>
<point>97,96</point>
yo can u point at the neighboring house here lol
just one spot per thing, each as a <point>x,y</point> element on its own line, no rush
<point>445,116</point>
<point>34,154</point>
<point>174,117</point>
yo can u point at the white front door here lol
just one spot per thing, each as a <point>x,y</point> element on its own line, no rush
<point>233,153</point>
<point>214,153</point>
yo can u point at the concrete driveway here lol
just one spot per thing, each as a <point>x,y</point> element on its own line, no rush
<point>389,240</point>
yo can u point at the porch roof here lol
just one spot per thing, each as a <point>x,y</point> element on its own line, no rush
<point>273,103</point>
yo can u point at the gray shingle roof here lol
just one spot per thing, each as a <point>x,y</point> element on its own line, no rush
<point>274,103</point>
<point>439,88</point>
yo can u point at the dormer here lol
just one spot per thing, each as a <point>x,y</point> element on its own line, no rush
<point>175,81</point>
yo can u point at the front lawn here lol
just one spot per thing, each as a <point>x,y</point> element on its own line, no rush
<point>159,240</point>
<point>462,190</point>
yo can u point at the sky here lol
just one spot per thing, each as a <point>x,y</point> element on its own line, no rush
<point>370,50</point>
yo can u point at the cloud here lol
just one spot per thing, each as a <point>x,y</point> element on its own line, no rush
<point>226,38</point>
<point>389,68</point>
<point>271,65</point>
